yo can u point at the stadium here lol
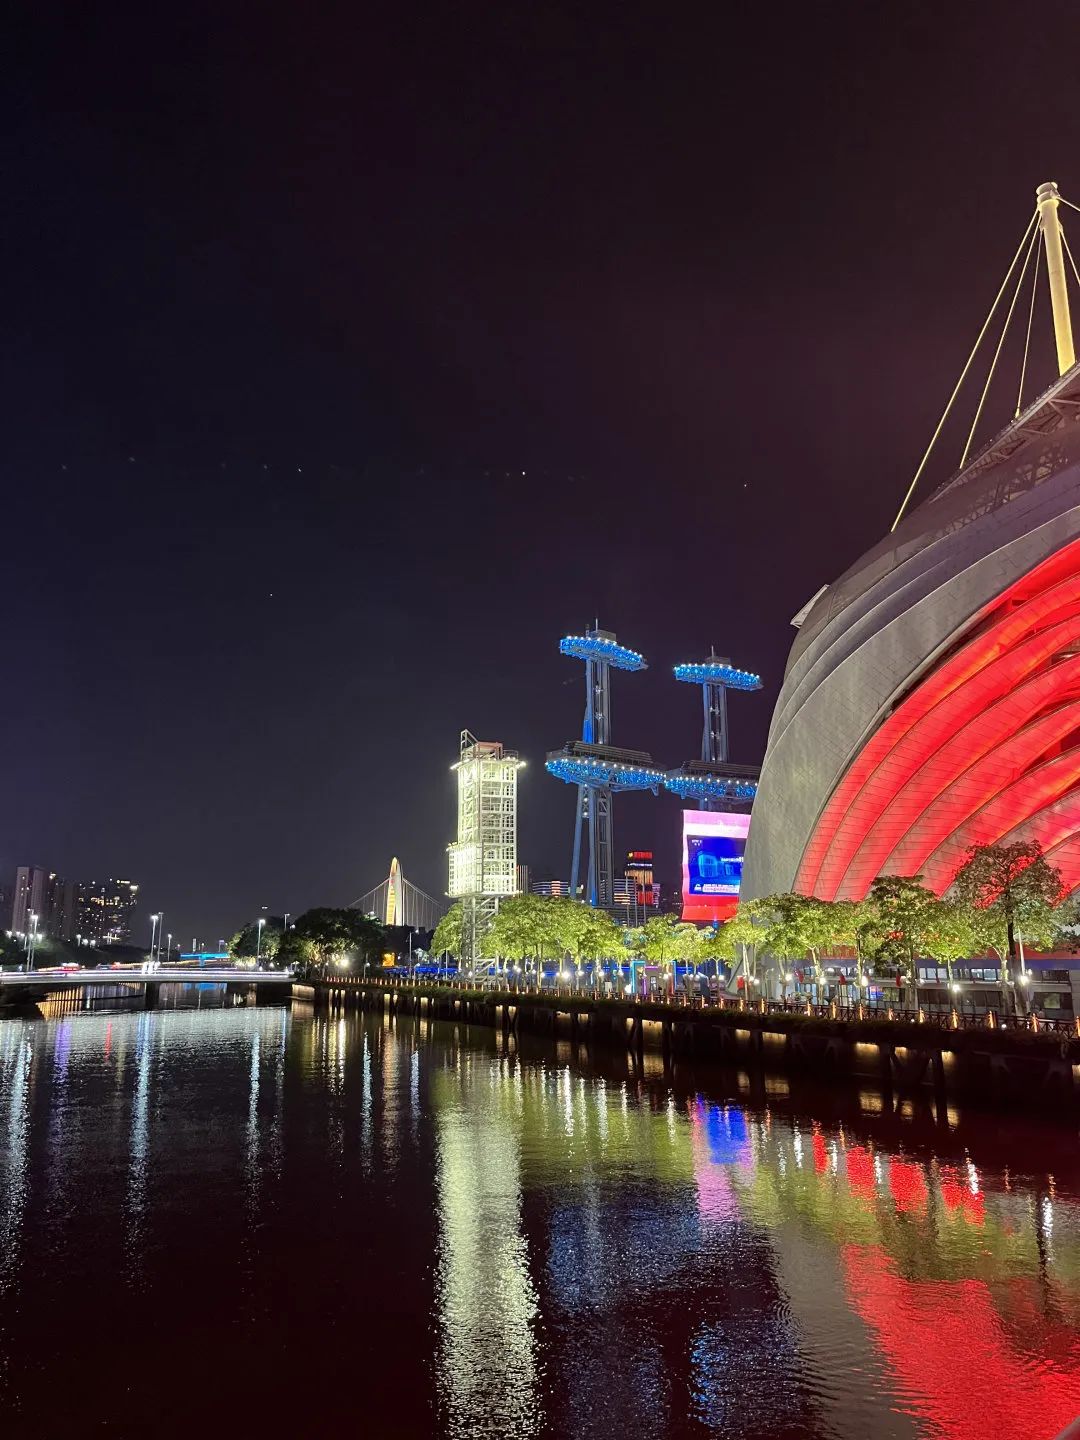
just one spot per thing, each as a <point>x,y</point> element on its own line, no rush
<point>931,699</point>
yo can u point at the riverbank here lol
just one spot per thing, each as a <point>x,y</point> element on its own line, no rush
<point>996,1065</point>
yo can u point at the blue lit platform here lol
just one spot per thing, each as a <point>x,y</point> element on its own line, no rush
<point>604,767</point>
<point>703,780</point>
<point>603,647</point>
<point>718,672</point>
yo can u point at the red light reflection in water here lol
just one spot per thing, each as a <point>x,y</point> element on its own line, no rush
<point>955,1364</point>
<point>821,1153</point>
<point>958,1197</point>
<point>908,1185</point>
<point>860,1170</point>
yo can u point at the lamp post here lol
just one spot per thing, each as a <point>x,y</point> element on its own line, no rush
<point>153,933</point>
<point>258,937</point>
<point>168,950</point>
<point>31,941</point>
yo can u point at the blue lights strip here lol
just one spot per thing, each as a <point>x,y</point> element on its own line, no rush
<point>705,787</point>
<point>709,673</point>
<point>603,774</point>
<point>596,647</point>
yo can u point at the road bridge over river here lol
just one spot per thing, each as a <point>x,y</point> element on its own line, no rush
<point>13,981</point>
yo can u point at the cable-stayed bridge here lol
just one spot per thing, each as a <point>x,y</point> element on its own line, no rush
<point>397,901</point>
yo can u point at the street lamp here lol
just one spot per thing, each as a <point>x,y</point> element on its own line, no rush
<point>153,933</point>
<point>168,952</point>
<point>258,936</point>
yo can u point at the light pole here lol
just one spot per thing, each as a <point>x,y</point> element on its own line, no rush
<point>258,938</point>
<point>31,941</point>
<point>168,951</point>
<point>153,933</point>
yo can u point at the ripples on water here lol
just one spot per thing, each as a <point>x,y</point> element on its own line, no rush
<point>253,1220</point>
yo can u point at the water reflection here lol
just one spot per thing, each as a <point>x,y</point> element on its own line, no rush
<point>519,1244</point>
<point>487,1304</point>
<point>16,1056</point>
<point>135,1208</point>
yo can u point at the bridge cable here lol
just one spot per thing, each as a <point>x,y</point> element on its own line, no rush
<point>1027,337</point>
<point>963,373</point>
<point>1001,341</point>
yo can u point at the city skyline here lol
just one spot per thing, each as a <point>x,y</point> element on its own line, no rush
<point>362,377</point>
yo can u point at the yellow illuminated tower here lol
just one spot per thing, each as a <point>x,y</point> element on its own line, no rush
<point>393,895</point>
<point>483,858</point>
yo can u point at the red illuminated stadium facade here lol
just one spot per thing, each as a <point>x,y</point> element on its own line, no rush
<point>932,698</point>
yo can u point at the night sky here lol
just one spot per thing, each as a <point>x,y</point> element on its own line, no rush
<point>353,354</point>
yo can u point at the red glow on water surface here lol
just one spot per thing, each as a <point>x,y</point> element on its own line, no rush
<point>821,1153</point>
<point>908,1186</point>
<point>957,1364</point>
<point>958,1197</point>
<point>860,1170</point>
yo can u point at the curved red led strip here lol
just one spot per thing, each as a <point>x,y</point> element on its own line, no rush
<point>1042,597</point>
<point>914,746</point>
<point>1016,804</point>
<point>953,761</point>
<point>965,773</point>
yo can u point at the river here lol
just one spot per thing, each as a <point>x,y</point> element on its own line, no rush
<point>241,1220</point>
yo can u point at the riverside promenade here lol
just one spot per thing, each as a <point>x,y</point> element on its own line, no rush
<point>1019,1060</point>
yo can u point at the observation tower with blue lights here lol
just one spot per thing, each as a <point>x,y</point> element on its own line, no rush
<point>598,768</point>
<point>713,781</point>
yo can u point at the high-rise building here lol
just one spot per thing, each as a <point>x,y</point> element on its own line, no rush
<point>105,910</point>
<point>639,870</point>
<point>43,894</point>
<point>483,858</point>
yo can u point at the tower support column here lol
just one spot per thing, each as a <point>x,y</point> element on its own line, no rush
<point>1047,199</point>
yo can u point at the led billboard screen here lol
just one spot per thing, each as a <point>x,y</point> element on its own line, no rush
<point>712,861</point>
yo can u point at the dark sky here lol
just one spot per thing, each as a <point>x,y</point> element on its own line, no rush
<point>353,354</point>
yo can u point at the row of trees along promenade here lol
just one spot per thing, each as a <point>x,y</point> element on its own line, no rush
<point>1003,897</point>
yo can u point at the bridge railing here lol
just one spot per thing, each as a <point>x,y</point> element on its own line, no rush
<point>951,1019</point>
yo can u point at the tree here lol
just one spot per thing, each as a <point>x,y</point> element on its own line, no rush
<point>247,944</point>
<point>588,933</point>
<point>954,932</point>
<point>794,927</point>
<point>12,953</point>
<point>295,953</point>
<point>532,927</point>
<point>663,940</point>
<point>1018,891</point>
<point>738,938</point>
<point>344,935</point>
<point>899,924</point>
<point>712,943</point>
<point>448,933</point>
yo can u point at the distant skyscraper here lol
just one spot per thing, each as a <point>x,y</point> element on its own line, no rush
<point>625,909</point>
<point>483,858</point>
<point>105,910</point>
<point>639,870</point>
<point>42,893</point>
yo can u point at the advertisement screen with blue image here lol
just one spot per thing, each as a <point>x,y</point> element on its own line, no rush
<point>713,848</point>
<point>715,864</point>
